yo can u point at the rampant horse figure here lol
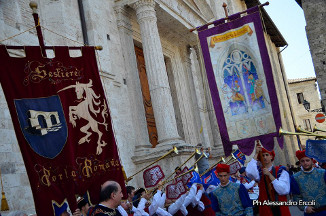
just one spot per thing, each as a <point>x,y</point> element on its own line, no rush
<point>88,104</point>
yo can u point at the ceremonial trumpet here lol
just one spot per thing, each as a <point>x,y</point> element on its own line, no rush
<point>222,160</point>
<point>318,129</point>
<point>195,168</point>
<point>191,156</point>
<point>282,132</point>
<point>174,149</point>
<point>300,130</point>
<point>230,160</point>
<point>201,156</point>
<point>309,132</point>
<point>182,174</point>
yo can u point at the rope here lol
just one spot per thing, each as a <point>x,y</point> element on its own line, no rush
<point>18,34</point>
<point>63,36</point>
<point>262,19</point>
<point>45,29</point>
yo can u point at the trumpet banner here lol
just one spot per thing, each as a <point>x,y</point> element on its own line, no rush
<point>175,190</point>
<point>234,167</point>
<point>62,123</point>
<point>179,185</point>
<point>185,178</point>
<point>152,176</point>
<point>241,82</point>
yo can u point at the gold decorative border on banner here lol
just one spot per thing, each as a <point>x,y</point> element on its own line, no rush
<point>232,34</point>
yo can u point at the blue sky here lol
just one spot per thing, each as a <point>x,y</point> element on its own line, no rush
<point>289,18</point>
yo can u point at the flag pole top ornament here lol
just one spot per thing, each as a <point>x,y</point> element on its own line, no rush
<point>33,5</point>
<point>225,10</point>
<point>226,18</point>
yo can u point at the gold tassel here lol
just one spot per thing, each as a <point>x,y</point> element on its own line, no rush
<point>4,203</point>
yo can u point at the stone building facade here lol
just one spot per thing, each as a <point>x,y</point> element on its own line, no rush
<point>314,11</point>
<point>300,90</point>
<point>148,55</point>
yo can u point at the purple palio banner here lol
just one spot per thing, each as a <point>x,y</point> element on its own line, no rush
<point>241,82</point>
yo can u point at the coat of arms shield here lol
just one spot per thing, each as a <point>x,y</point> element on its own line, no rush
<point>43,124</point>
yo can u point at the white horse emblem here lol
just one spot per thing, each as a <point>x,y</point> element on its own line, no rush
<point>88,104</point>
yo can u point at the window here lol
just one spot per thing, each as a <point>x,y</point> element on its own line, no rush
<point>300,98</point>
<point>307,125</point>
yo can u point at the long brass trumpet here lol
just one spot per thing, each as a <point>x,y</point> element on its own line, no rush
<point>318,129</point>
<point>283,132</point>
<point>230,159</point>
<point>182,174</point>
<point>221,160</point>
<point>174,149</point>
<point>201,156</point>
<point>191,156</point>
<point>309,132</point>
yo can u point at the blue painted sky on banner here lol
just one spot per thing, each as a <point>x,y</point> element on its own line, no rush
<point>288,16</point>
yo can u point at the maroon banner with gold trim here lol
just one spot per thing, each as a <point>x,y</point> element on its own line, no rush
<point>62,123</point>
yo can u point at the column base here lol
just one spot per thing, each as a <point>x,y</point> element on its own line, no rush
<point>144,154</point>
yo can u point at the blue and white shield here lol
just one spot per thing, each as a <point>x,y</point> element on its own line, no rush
<point>43,124</point>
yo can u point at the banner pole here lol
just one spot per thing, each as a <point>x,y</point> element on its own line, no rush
<point>225,10</point>
<point>261,5</point>
<point>33,5</point>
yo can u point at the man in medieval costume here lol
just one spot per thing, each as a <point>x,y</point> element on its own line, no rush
<point>309,186</point>
<point>230,198</point>
<point>273,182</point>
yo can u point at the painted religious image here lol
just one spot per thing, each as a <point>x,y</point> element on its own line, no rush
<point>241,82</point>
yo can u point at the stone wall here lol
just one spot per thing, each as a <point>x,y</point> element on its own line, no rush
<point>115,27</point>
<point>280,81</point>
<point>315,15</point>
<point>308,87</point>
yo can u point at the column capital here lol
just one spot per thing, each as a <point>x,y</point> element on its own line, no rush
<point>145,10</point>
<point>143,3</point>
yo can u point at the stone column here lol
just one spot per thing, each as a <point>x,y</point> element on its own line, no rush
<point>207,135</point>
<point>193,112</point>
<point>217,142</point>
<point>156,72</point>
<point>134,88</point>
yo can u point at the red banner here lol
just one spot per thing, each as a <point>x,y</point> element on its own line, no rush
<point>152,176</point>
<point>234,167</point>
<point>186,177</point>
<point>174,191</point>
<point>62,124</point>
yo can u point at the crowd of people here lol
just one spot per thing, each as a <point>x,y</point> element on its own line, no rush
<point>259,189</point>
